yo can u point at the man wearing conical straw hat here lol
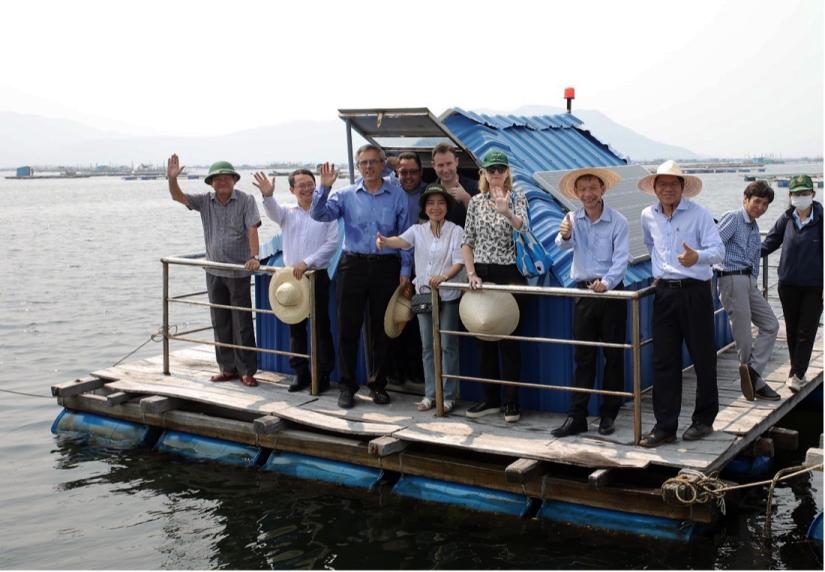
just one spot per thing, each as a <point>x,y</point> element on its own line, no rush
<point>684,244</point>
<point>597,234</point>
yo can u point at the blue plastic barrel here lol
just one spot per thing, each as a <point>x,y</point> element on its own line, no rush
<point>748,468</point>
<point>199,448</point>
<point>104,431</point>
<point>475,498</point>
<point>317,469</point>
<point>815,530</point>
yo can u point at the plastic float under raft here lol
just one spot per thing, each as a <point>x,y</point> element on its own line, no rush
<point>748,468</point>
<point>475,498</point>
<point>317,469</point>
<point>199,448</point>
<point>815,530</point>
<point>104,431</point>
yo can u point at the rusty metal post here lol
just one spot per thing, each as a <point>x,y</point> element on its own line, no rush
<point>637,370</point>
<point>439,387</point>
<point>165,317</point>
<point>313,336</point>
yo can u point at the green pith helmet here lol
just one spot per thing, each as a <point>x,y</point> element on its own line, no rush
<point>221,168</point>
<point>800,183</point>
<point>493,158</point>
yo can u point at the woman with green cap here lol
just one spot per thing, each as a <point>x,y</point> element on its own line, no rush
<point>490,255</point>
<point>437,244</point>
<point>799,232</point>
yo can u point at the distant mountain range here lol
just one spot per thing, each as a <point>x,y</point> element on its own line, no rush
<point>35,140</point>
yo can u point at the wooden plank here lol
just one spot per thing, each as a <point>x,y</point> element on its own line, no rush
<point>523,470</point>
<point>268,425</point>
<point>784,439</point>
<point>386,445</point>
<point>600,478</point>
<point>77,386</point>
<point>157,404</point>
<point>117,398</point>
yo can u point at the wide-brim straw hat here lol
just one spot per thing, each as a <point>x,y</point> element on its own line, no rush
<point>488,314</point>
<point>567,185</point>
<point>693,185</point>
<point>289,297</point>
<point>397,314</point>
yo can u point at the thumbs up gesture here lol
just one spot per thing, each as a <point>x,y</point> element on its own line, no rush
<point>566,227</point>
<point>689,257</point>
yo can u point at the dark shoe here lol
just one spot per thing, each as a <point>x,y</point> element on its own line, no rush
<point>571,426</point>
<point>300,382</point>
<point>766,393</point>
<point>607,425</point>
<point>224,376</point>
<point>323,385</point>
<point>345,398</point>
<point>249,381</point>
<point>482,409</point>
<point>697,431</point>
<point>745,381</point>
<point>379,396</point>
<point>657,437</point>
<point>512,412</point>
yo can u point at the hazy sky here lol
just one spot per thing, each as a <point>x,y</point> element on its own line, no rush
<point>720,78</point>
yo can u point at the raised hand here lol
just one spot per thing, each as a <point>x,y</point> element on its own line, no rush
<point>566,227</point>
<point>173,168</point>
<point>502,199</point>
<point>328,175</point>
<point>263,183</point>
<point>459,194</point>
<point>689,257</point>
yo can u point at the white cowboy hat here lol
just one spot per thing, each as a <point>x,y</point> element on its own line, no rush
<point>397,314</point>
<point>289,297</point>
<point>693,185</point>
<point>487,312</point>
<point>567,184</point>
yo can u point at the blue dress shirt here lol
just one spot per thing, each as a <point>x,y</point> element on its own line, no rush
<point>365,215</point>
<point>690,223</point>
<point>600,248</point>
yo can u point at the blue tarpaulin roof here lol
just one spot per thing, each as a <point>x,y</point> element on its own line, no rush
<point>540,143</point>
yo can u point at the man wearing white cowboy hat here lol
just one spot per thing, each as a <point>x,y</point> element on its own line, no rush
<point>684,244</point>
<point>308,245</point>
<point>230,226</point>
<point>598,236</point>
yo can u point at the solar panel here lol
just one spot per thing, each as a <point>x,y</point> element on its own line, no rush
<point>624,197</point>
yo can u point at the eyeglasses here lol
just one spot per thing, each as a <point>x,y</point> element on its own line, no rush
<point>305,186</point>
<point>496,169</point>
<point>369,162</point>
<point>408,172</point>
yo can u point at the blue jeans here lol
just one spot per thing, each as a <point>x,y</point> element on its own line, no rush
<point>448,316</point>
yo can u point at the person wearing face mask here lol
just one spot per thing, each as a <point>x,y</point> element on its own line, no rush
<point>799,232</point>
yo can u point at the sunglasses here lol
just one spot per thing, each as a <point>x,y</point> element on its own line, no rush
<point>496,169</point>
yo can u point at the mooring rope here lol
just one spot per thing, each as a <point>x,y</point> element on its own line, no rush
<point>155,337</point>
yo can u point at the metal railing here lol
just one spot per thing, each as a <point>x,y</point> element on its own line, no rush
<point>197,260</point>
<point>635,345</point>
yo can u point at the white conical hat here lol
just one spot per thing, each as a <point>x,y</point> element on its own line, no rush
<point>693,185</point>
<point>397,314</point>
<point>289,297</point>
<point>488,314</point>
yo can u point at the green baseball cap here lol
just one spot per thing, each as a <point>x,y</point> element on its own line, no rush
<point>800,183</point>
<point>492,158</point>
<point>434,189</point>
<point>221,168</point>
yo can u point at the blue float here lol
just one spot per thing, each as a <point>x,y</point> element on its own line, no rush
<point>815,530</point>
<point>748,468</point>
<point>104,431</point>
<point>199,448</point>
<point>317,469</point>
<point>475,498</point>
<point>617,521</point>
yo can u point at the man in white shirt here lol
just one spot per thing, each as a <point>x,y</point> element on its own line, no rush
<point>308,245</point>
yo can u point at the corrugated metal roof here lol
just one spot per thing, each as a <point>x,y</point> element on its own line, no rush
<point>540,143</point>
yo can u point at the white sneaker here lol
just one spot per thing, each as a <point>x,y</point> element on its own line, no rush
<point>795,384</point>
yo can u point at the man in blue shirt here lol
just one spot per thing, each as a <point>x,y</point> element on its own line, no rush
<point>684,244</point>
<point>736,281</point>
<point>598,236</point>
<point>366,276</point>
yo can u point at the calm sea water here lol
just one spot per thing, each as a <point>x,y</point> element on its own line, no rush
<point>82,287</point>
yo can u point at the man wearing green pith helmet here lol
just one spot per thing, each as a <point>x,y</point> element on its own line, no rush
<point>230,226</point>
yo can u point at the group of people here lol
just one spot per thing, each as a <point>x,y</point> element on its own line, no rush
<point>404,237</point>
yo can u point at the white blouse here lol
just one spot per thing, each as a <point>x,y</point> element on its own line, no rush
<point>434,255</point>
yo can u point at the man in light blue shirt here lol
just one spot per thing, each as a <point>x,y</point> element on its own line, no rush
<point>366,276</point>
<point>598,236</point>
<point>684,244</point>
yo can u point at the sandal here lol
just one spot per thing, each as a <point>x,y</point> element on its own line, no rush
<point>224,376</point>
<point>425,404</point>
<point>449,405</point>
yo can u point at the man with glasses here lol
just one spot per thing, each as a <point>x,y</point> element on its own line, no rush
<point>366,276</point>
<point>461,188</point>
<point>307,245</point>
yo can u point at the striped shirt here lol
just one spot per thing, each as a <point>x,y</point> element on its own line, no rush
<point>740,234</point>
<point>225,228</point>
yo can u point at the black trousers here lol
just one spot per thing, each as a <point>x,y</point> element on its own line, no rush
<point>683,315</point>
<point>298,333</point>
<point>364,283</point>
<point>404,361</point>
<point>507,351</point>
<point>802,306</point>
<point>599,320</point>
<point>232,326</point>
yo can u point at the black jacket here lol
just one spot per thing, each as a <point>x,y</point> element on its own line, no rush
<point>801,261</point>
